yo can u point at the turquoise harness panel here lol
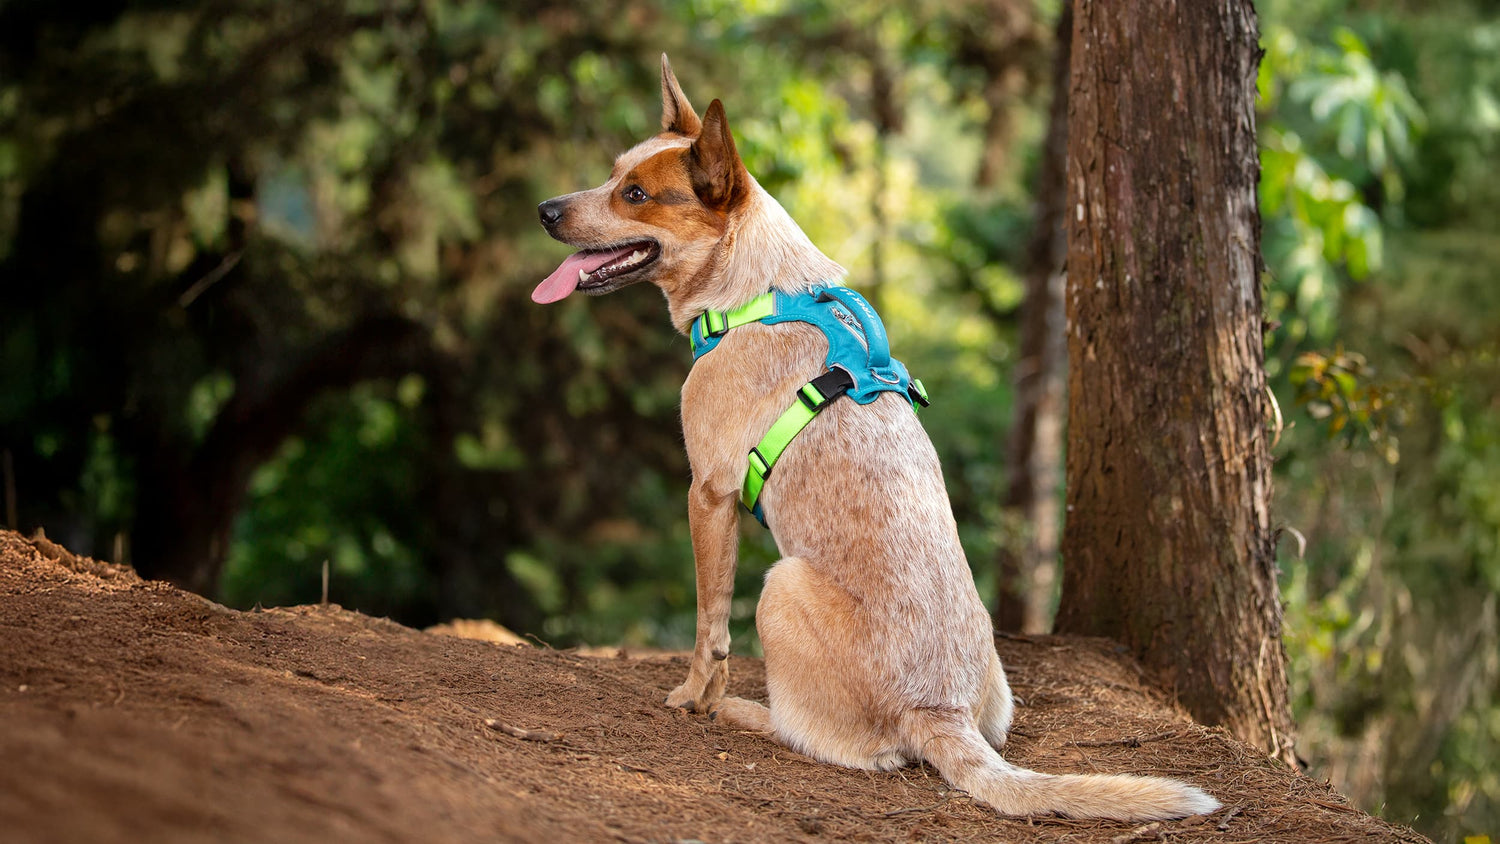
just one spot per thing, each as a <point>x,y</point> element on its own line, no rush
<point>859,365</point>
<point>857,341</point>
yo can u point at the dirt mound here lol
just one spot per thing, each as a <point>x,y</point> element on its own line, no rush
<point>132,711</point>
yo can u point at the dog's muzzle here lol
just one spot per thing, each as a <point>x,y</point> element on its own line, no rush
<point>551,213</point>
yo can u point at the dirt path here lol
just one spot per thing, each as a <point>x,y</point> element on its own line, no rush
<point>132,711</point>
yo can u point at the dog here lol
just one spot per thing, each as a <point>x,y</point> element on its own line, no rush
<point>878,650</point>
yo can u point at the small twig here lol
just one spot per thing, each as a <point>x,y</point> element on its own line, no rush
<point>523,735</point>
<point>1140,833</point>
<point>1018,637</point>
<point>636,768</point>
<point>1301,541</point>
<point>209,280</point>
<point>1280,424</point>
<point>1192,820</point>
<point>894,812</point>
<point>1224,821</point>
<point>1131,741</point>
<point>325,583</point>
<point>1125,742</point>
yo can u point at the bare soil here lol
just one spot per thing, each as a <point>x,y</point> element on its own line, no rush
<point>133,711</point>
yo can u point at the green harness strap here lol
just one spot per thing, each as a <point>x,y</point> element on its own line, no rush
<point>765,454</point>
<point>713,323</point>
<point>812,397</point>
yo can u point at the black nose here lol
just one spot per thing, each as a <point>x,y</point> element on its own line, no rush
<point>551,212</point>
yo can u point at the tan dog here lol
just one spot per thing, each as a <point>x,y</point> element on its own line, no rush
<point>878,649</point>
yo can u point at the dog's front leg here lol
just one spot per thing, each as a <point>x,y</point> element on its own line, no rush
<point>714,523</point>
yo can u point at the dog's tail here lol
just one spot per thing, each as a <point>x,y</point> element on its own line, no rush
<point>955,747</point>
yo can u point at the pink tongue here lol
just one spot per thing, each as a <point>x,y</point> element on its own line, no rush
<point>564,279</point>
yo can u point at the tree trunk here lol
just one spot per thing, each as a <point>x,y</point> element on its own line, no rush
<point>1168,543</point>
<point>1028,558</point>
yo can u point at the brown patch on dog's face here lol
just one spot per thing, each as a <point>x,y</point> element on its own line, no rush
<point>670,197</point>
<point>659,192</point>
<point>648,204</point>
<point>663,213</point>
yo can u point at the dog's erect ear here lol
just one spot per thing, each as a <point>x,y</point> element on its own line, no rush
<point>719,177</point>
<point>677,113</point>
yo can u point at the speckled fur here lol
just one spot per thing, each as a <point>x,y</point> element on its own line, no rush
<point>878,649</point>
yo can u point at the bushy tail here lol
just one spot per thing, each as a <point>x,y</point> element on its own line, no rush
<point>968,762</point>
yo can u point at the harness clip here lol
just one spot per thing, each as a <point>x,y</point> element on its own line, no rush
<point>817,393</point>
<point>813,398</point>
<point>917,392</point>
<point>758,463</point>
<point>715,324</point>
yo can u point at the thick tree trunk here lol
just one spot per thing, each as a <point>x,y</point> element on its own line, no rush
<point>1168,543</point>
<point>1028,560</point>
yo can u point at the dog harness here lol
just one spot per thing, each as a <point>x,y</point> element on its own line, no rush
<point>859,365</point>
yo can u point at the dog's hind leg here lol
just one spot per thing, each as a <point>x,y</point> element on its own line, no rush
<point>810,630</point>
<point>996,706</point>
<point>742,714</point>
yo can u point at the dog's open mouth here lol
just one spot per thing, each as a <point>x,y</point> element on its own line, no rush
<point>596,271</point>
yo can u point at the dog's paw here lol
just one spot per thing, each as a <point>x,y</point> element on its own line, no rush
<point>684,697</point>
<point>701,690</point>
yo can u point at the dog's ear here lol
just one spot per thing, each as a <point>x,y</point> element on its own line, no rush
<point>677,113</point>
<point>719,177</point>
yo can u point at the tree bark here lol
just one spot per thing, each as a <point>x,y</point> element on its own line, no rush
<point>1168,543</point>
<point>1027,560</point>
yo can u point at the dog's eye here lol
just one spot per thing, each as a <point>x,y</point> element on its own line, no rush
<point>635,195</point>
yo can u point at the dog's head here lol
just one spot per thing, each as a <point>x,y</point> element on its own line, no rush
<point>662,214</point>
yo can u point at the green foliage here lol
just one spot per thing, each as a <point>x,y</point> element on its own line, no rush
<point>1339,391</point>
<point>1374,250</point>
<point>303,511</point>
<point>1319,226</point>
<point>1369,113</point>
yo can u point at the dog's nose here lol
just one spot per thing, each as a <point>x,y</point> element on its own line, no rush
<point>551,212</point>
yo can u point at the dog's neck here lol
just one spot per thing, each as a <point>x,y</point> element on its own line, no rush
<point>762,249</point>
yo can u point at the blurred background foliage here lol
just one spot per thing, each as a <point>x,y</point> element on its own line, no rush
<point>266,268</point>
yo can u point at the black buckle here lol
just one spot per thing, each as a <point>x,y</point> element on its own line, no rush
<point>828,386</point>
<point>917,391</point>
